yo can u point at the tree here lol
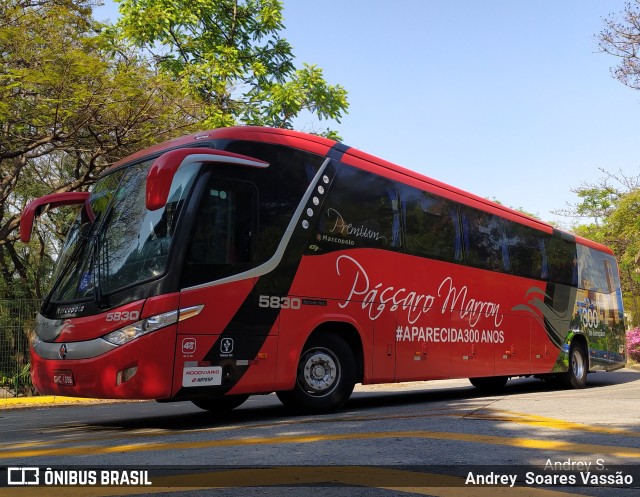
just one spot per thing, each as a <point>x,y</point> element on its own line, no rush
<point>614,205</point>
<point>598,200</point>
<point>76,96</point>
<point>621,38</point>
<point>230,54</point>
<point>73,99</point>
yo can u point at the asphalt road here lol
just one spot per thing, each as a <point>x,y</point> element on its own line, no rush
<point>436,438</point>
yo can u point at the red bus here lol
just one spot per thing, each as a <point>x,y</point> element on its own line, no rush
<point>251,260</point>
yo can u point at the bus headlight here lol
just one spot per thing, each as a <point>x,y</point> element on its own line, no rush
<point>150,324</point>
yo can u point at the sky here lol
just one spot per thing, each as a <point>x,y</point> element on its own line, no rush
<point>508,99</point>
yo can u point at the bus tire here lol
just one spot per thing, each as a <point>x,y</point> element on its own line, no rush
<point>576,375</point>
<point>220,405</point>
<point>489,383</point>
<point>325,377</point>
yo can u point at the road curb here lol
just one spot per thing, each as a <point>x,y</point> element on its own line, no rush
<point>46,401</point>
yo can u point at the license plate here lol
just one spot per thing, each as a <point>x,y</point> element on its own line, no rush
<point>63,377</point>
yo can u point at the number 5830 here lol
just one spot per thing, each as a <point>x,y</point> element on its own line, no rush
<point>275,302</point>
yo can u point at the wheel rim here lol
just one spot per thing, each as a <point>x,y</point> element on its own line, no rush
<point>319,372</point>
<point>577,364</point>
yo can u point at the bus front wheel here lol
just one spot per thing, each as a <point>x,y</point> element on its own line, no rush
<point>576,375</point>
<point>325,376</point>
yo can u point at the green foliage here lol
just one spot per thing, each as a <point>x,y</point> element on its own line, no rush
<point>597,201</point>
<point>76,96</point>
<point>74,99</point>
<point>17,383</point>
<point>624,222</point>
<point>617,225</point>
<point>230,54</point>
<point>16,325</point>
<point>620,228</point>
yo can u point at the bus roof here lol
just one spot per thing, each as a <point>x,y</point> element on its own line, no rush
<point>287,137</point>
<point>321,146</point>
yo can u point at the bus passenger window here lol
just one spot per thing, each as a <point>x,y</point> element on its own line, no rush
<point>361,210</point>
<point>563,261</point>
<point>430,225</point>
<point>222,242</point>
<point>527,252</point>
<point>484,240</point>
<point>595,270</point>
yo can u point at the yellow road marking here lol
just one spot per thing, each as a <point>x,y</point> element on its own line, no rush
<point>480,414</point>
<point>412,483</point>
<point>558,424</point>
<point>529,443</point>
<point>395,480</point>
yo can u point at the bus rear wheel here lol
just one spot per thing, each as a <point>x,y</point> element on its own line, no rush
<point>325,377</point>
<point>489,383</point>
<point>220,405</point>
<point>576,375</point>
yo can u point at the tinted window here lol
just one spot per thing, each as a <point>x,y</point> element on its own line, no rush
<point>484,240</point>
<point>223,235</point>
<point>563,262</point>
<point>597,271</point>
<point>527,251</point>
<point>361,210</point>
<point>77,283</point>
<point>133,243</point>
<point>431,226</point>
<point>281,187</point>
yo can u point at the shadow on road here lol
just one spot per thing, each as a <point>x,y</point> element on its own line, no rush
<point>267,409</point>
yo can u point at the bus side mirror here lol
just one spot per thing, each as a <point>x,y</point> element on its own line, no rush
<point>39,205</point>
<point>163,169</point>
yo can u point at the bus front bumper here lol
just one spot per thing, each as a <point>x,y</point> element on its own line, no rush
<point>140,369</point>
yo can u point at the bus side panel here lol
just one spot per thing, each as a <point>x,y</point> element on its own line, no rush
<point>472,352</point>
<point>296,325</point>
<point>423,347</point>
<point>221,303</point>
<point>332,289</point>
<point>544,354</point>
<point>208,366</point>
<point>597,316</point>
<point>384,348</point>
<point>232,344</point>
<point>189,353</point>
<point>438,319</point>
<point>513,346</point>
<point>260,376</point>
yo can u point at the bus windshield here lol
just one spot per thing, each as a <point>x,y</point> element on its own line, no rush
<point>126,244</point>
